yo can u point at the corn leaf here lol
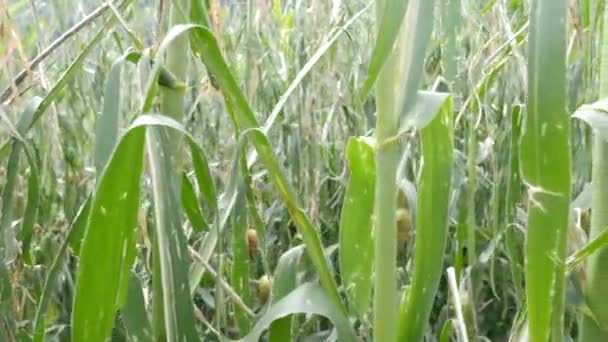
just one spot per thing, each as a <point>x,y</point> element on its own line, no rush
<point>356,238</point>
<point>205,47</point>
<point>283,282</point>
<point>432,206</point>
<point>309,298</point>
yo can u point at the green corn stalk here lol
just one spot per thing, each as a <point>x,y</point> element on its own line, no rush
<point>545,163</point>
<point>597,266</point>
<point>385,264</point>
<point>396,90</point>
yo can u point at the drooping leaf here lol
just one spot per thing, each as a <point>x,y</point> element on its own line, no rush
<point>206,48</point>
<point>309,298</point>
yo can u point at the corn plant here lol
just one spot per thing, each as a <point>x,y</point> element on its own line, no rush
<point>302,170</point>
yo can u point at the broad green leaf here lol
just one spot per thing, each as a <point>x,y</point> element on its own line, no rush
<point>283,282</point>
<point>309,298</point>
<point>356,238</point>
<point>545,165</point>
<point>432,206</point>
<point>107,251</point>
<point>108,241</point>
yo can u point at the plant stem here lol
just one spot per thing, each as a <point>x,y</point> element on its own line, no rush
<point>385,203</point>
<point>545,165</point>
<point>597,270</point>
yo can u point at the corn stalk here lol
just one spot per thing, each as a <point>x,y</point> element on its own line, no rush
<point>597,266</point>
<point>545,164</point>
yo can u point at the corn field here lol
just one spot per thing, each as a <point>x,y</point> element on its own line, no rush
<point>303,170</point>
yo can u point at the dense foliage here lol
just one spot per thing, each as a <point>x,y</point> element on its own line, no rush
<point>303,170</point>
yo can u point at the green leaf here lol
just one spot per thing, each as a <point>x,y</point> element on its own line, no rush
<point>179,314</point>
<point>428,106</point>
<point>106,132</point>
<point>108,241</point>
<point>31,208</point>
<point>591,247</point>
<point>12,169</point>
<point>108,247</point>
<point>240,256</point>
<point>432,206</point>
<point>393,13</point>
<point>191,206</point>
<point>204,179</point>
<point>595,115</point>
<point>356,237</point>
<point>309,298</point>
<point>446,331</point>
<point>205,47</point>
<point>513,198</point>
<point>397,87</point>
<point>75,231</point>
<point>283,282</point>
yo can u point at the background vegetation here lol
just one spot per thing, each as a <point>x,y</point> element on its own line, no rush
<point>219,170</point>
